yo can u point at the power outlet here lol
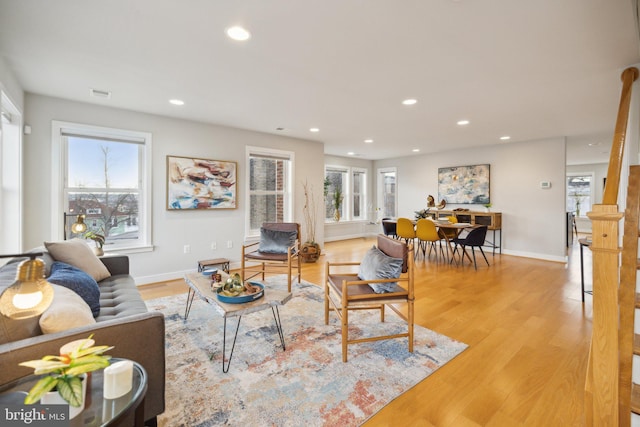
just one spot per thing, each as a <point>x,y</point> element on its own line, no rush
<point>214,246</point>
<point>229,244</point>
<point>187,249</point>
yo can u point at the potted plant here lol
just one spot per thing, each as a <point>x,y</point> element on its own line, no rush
<point>337,202</point>
<point>577,197</point>
<point>487,207</point>
<point>310,249</point>
<point>98,239</point>
<point>66,373</point>
<point>424,213</point>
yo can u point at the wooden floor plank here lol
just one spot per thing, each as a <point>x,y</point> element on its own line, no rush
<point>527,330</point>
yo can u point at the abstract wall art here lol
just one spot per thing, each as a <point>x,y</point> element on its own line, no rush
<point>464,184</point>
<point>194,183</point>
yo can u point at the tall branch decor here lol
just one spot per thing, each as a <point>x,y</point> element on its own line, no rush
<point>310,250</point>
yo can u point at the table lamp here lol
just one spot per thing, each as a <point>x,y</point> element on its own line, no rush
<point>31,294</point>
<point>77,227</point>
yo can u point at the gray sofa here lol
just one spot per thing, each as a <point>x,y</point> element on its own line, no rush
<point>124,322</point>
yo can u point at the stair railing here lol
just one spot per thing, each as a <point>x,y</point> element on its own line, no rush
<point>602,382</point>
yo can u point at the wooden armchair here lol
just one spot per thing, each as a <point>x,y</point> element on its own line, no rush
<point>345,291</point>
<point>278,251</point>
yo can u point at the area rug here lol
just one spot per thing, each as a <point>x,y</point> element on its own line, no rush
<point>305,385</point>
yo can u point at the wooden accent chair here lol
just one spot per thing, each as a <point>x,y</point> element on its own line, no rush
<point>277,252</point>
<point>345,291</point>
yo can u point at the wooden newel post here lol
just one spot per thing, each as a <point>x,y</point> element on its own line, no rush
<point>604,341</point>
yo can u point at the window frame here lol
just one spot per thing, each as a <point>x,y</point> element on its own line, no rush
<point>11,180</point>
<point>592,175</point>
<point>289,197</point>
<point>364,199</point>
<point>380,192</point>
<point>346,192</point>
<point>59,158</point>
<point>348,203</point>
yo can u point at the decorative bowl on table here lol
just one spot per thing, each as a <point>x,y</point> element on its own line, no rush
<point>209,272</point>
<point>237,296</point>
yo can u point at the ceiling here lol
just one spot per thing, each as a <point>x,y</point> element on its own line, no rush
<point>527,69</point>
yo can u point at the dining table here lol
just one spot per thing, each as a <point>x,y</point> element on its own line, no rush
<point>444,223</point>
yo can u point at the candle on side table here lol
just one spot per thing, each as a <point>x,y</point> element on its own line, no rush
<point>118,379</point>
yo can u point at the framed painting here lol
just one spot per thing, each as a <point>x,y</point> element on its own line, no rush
<point>194,183</point>
<point>464,184</point>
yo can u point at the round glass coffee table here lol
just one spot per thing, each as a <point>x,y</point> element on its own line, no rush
<point>97,410</point>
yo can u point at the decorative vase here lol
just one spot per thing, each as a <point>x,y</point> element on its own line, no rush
<point>310,252</point>
<point>54,398</point>
<point>98,251</point>
<point>336,215</point>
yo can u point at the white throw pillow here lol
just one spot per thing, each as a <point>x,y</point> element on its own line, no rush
<point>77,253</point>
<point>67,310</point>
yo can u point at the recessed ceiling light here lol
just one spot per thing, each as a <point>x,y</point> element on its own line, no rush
<point>462,122</point>
<point>368,141</point>
<point>176,101</point>
<point>416,150</point>
<point>409,101</point>
<point>505,138</point>
<point>238,33</point>
<point>593,144</point>
<point>351,153</point>
<point>314,130</point>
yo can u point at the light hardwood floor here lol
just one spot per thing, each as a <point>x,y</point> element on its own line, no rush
<point>527,330</point>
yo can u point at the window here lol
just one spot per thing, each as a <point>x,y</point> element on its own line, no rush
<point>579,191</point>
<point>337,192</point>
<point>346,193</point>
<point>359,193</point>
<point>104,174</point>
<point>387,196</point>
<point>270,196</point>
<point>10,177</point>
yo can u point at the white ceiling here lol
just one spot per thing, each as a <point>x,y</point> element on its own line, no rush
<point>528,69</point>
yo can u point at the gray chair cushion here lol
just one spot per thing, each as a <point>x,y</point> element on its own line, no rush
<point>276,241</point>
<point>377,265</point>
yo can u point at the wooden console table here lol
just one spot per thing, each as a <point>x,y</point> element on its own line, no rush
<point>493,221</point>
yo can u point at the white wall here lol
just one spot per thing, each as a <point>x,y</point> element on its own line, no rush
<point>533,219</point>
<point>10,86</point>
<point>171,229</point>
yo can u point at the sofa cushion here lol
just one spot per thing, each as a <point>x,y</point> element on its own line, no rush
<point>377,265</point>
<point>119,297</point>
<point>77,253</point>
<point>67,310</point>
<point>78,281</point>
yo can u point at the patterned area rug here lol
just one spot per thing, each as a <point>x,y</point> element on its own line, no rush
<point>305,385</point>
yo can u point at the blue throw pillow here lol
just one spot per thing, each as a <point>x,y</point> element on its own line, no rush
<point>78,281</point>
<point>377,265</point>
<point>276,242</point>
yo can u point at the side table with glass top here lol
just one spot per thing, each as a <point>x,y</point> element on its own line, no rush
<point>97,410</point>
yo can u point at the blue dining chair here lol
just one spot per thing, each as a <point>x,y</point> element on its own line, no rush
<point>475,239</point>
